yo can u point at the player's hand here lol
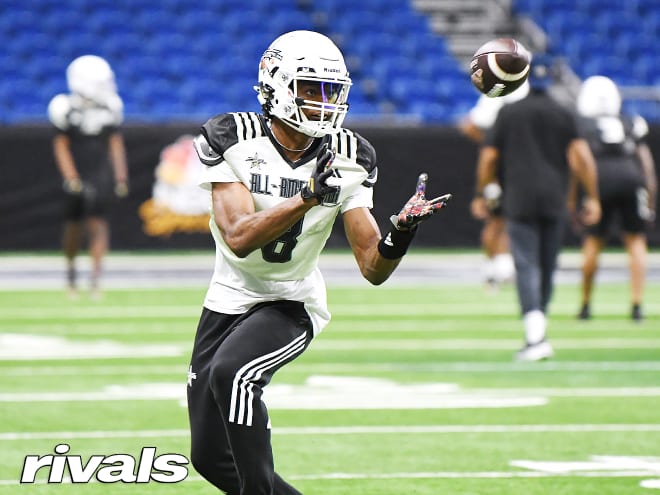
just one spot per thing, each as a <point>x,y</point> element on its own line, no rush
<point>73,186</point>
<point>316,187</point>
<point>418,208</point>
<point>590,214</point>
<point>479,208</point>
<point>121,189</point>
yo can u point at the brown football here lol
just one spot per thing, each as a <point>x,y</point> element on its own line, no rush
<point>499,67</point>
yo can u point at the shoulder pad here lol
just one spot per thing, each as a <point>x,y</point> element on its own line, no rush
<point>225,130</point>
<point>116,106</point>
<point>640,127</point>
<point>354,147</point>
<point>204,151</point>
<point>58,111</point>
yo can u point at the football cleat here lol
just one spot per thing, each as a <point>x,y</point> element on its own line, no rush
<point>535,352</point>
<point>585,313</point>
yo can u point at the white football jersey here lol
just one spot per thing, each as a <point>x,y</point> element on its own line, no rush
<point>238,147</point>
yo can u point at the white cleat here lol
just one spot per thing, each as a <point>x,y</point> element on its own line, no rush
<point>535,352</point>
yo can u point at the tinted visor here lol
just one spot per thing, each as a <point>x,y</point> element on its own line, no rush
<point>319,91</point>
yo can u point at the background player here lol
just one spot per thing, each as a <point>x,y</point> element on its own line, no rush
<point>90,155</point>
<point>494,239</point>
<point>627,184</point>
<point>277,182</point>
<point>536,142</point>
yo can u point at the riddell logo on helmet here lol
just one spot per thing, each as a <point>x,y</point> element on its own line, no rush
<point>326,69</point>
<point>166,468</point>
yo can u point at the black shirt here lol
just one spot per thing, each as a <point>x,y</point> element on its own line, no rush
<point>532,136</point>
<point>614,141</point>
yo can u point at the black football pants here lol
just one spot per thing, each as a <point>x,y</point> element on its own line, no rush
<point>233,358</point>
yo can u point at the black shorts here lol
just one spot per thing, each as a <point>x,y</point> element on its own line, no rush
<point>628,208</point>
<point>92,201</point>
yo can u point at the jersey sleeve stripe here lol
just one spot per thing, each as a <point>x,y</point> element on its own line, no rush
<point>247,125</point>
<point>254,124</point>
<point>243,129</point>
<point>351,143</point>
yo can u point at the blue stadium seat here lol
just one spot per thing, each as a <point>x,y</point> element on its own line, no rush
<point>160,48</point>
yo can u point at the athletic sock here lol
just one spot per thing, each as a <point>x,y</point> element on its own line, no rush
<point>535,325</point>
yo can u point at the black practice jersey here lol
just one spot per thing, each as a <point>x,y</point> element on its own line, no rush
<point>614,141</point>
<point>88,125</point>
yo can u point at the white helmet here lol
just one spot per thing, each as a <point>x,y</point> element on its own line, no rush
<point>91,77</point>
<point>599,97</point>
<point>304,56</point>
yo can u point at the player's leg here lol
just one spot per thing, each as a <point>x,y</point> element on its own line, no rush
<point>210,450</point>
<point>552,231</point>
<point>637,257</point>
<point>591,248</point>
<point>488,243</point>
<point>262,341</point>
<point>97,196</point>
<point>634,217</point>
<point>72,238</point>
<point>594,240</point>
<point>525,248</point>
<point>99,240</point>
<point>525,239</point>
<point>503,261</point>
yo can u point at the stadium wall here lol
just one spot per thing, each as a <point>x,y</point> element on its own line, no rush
<point>31,198</point>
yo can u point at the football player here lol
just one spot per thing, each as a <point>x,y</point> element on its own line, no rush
<point>277,181</point>
<point>91,158</point>
<point>626,180</point>
<point>499,266</point>
<point>536,142</point>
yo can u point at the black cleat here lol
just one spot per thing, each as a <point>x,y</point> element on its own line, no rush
<point>585,313</point>
<point>636,313</point>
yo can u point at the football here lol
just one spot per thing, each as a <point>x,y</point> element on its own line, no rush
<point>499,67</point>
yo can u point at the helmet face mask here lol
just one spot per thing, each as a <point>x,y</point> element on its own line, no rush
<point>303,81</point>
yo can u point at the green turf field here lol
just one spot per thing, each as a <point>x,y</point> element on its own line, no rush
<point>408,391</point>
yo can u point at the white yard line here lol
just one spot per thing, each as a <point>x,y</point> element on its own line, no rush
<point>120,369</point>
<point>13,346</point>
<point>176,392</point>
<point>441,309</point>
<point>427,475</point>
<point>477,344</point>
<point>347,430</point>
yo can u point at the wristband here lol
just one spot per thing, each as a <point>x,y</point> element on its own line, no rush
<point>395,244</point>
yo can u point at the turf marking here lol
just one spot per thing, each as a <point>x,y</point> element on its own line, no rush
<point>43,347</point>
<point>121,369</point>
<point>428,475</point>
<point>444,309</point>
<point>34,347</point>
<point>325,392</point>
<point>348,430</point>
